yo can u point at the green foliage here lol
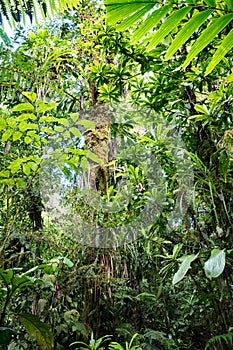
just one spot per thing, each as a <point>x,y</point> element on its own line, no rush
<point>49,81</point>
<point>93,344</point>
<point>5,335</point>
<point>19,10</point>
<point>128,346</point>
<point>182,17</point>
<point>216,264</point>
<point>157,340</point>
<point>213,267</point>
<point>14,283</point>
<point>222,341</point>
<point>184,267</point>
<point>39,330</point>
<point>4,37</point>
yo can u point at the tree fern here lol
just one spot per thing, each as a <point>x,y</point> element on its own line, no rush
<point>155,21</point>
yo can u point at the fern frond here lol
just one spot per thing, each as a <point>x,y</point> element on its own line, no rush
<point>155,339</point>
<point>220,342</point>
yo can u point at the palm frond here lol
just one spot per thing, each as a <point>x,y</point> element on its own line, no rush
<point>154,22</point>
<point>14,11</point>
<point>4,37</point>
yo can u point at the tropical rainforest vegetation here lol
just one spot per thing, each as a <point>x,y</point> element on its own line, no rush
<point>116,175</point>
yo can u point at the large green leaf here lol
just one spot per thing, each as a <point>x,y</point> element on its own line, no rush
<point>135,17</point>
<point>207,36</point>
<point>39,330</point>
<point>124,13</point>
<point>210,2</point>
<point>184,267</point>
<point>6,276</point>
<point>150,22</point>
<point>93,157</point>
<point>176,250</point>
<point>23,107</point>
<point>86,123</point>
<point>221,52</point>
<point>216,263</point>
<point>75,131</point>
<point>19,282</point>
<point>16,10</point>
<point>229,4</point>
<point>30,95</point>
<point>4,37</point>
<point>186,32</point>
<point>167,27</point>
<point>5,335</point>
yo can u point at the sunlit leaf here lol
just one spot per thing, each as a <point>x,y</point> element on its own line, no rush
<point>7,134</point>
<point>210,2</point>
<point>45,106</point>
<point>229,78</point>
<point>207,36</point>
<point>26,168</point>
<point>168,25</point>
<point>30,95</point>
<point>117,12</point>
<point>201,108</point>
<point>23,107</point>
<point>135,17</point>
<point>4,173</point>
<point>63,121</point>
<point>87,123</point>
<point>27,140</point>
<point>25,116</point>
<point>2,124</point>
<point>186,32</point>
<point>74,116</point>
<point>176,249</point>
<point>75,131</point>
<point>229,4</point>
<point>59,128</point>
<point>17,135</point>
<point>221,52</point>
<point>150,22</point>
<point>11,122</point>
<point>68,262</point>
<point>215,265</point>
<point>124,13</point>
<point>184,267</point>
<point>93,157</point>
